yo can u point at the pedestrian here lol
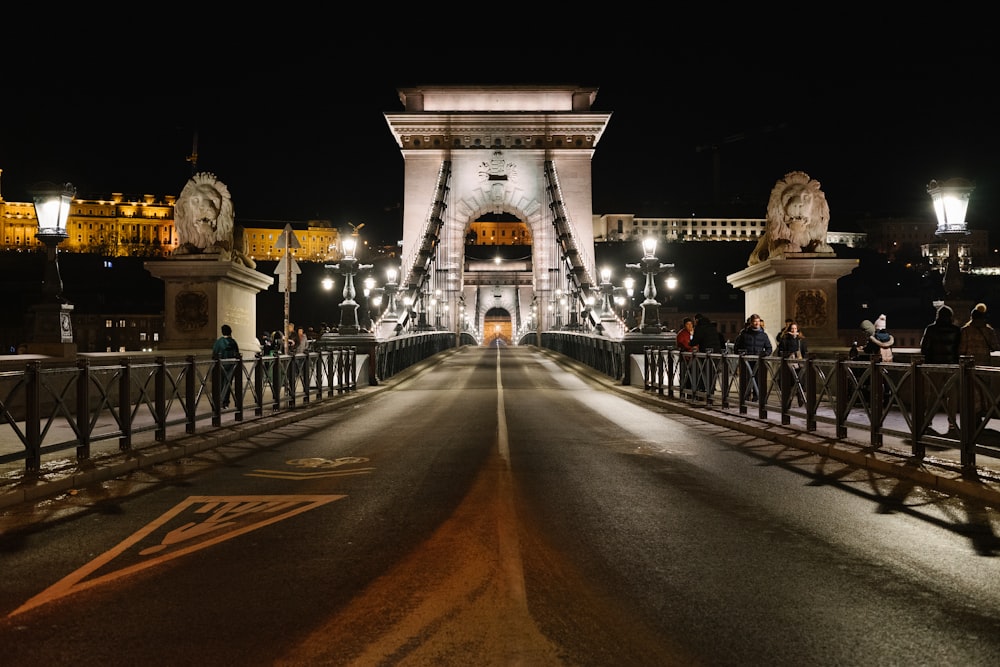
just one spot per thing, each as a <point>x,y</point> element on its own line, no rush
<point>940,345</point>
<point>684,343</point>
<point>792,345</point>
<point>979,340</point>
<point>226,351</point>
<point>265,344</point>
<point>880,342</point>
<point>292,338</point>
<point>705,338</point>
<point>753,342</point>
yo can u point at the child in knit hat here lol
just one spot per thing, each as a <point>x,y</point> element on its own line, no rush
<point>880,341</point>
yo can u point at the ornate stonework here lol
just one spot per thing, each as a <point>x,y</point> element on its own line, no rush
<point>205,221</point>
<point>811,308</point>
<point>797,220</point>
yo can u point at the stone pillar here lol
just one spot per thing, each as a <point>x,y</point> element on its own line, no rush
<point>800,286</point>
<point>201,294</point>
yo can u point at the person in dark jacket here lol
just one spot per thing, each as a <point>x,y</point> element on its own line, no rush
<point>706,335</point>
<point>792,345</point>
<point>706,338</point>
<point>940,345</point>
<point>753,341</point>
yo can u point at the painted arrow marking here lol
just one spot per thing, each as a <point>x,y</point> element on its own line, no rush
<point>207,520</point>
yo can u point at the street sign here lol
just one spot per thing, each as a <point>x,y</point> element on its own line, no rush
<point>288,239</point>
<point>287,270</point>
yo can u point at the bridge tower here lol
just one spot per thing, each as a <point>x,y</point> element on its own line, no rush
<point>470,151</point>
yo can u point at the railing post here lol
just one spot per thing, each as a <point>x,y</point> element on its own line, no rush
<point>659,371</point>
<point>671,369</point>
<point>785,388</point>
<point>32,418</point>
<point>919,420</point>
<point>841,400</point>
<point>259,369</point>
<point>306,376</point>
<point>352,380</point>
<point>724,379</point>
<point>760,374</point>
<point>967,401</point>
<point>742,381</point>
<point>190,395</point>
<point>160,399</point>
<point>125,404</point>
<point>236,385</point>
<point>877,406</point>
<point>216,392</point>
<point>83,408</point>
<point>810,377</point>
<point>277,383</point>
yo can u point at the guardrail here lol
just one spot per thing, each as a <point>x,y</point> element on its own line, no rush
<point>50,408</point>
<point>60,408</point>
<point>898,399</point>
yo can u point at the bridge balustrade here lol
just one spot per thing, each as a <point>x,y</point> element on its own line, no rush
<point>60,408</point>
<point>882,399</point>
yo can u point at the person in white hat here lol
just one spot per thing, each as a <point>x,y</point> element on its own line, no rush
<point>880,341</point>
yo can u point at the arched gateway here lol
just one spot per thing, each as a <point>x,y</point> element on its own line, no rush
<point>522,151</point>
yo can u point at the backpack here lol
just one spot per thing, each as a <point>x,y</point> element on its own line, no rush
<point>231,349</point>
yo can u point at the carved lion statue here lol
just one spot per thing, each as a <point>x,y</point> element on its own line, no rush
<point>205,221</point>
<point>797,220</point>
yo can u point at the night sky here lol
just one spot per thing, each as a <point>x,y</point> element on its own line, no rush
<point>873,124</point>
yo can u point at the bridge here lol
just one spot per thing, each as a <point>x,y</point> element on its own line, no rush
<point>69,426</point>
<point>523,152</point>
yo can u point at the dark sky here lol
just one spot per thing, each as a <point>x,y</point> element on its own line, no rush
<point>873,124</point>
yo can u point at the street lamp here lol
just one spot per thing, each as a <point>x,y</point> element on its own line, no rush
<point>607,290</point>
<point>391,288</point>
<point>348,267</point>
<point>651,266</point>
<point>52,330</point>
<point>951,201</point>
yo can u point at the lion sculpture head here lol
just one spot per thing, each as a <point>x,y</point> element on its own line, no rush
<point>797,220</point>
<point>205,220</point>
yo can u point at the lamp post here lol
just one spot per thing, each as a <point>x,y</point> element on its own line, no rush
<point>651,266</point>
<point>951,201</point>
<point>391,289</point>
<point>52,329</point>
<point>607,290</point>
<point>348,267</point>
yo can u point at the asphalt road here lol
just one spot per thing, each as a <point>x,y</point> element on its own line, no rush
<point>491,510</point>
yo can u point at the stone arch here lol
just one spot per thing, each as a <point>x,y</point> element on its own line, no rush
<point>498,325</point>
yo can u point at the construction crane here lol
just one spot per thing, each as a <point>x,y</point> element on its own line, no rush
<point>193,158</point>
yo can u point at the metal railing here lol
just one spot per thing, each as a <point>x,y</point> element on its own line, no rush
<point>883,399</point>
<point>62,408</point>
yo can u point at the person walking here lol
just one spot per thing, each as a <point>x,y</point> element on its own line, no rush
<point>940,345</point>
<point>684,344</point>
<point>792,345</point>
<point>226,351</point>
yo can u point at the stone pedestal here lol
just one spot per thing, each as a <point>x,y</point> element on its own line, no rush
<point>802,287</point>
<point>203,293</point>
